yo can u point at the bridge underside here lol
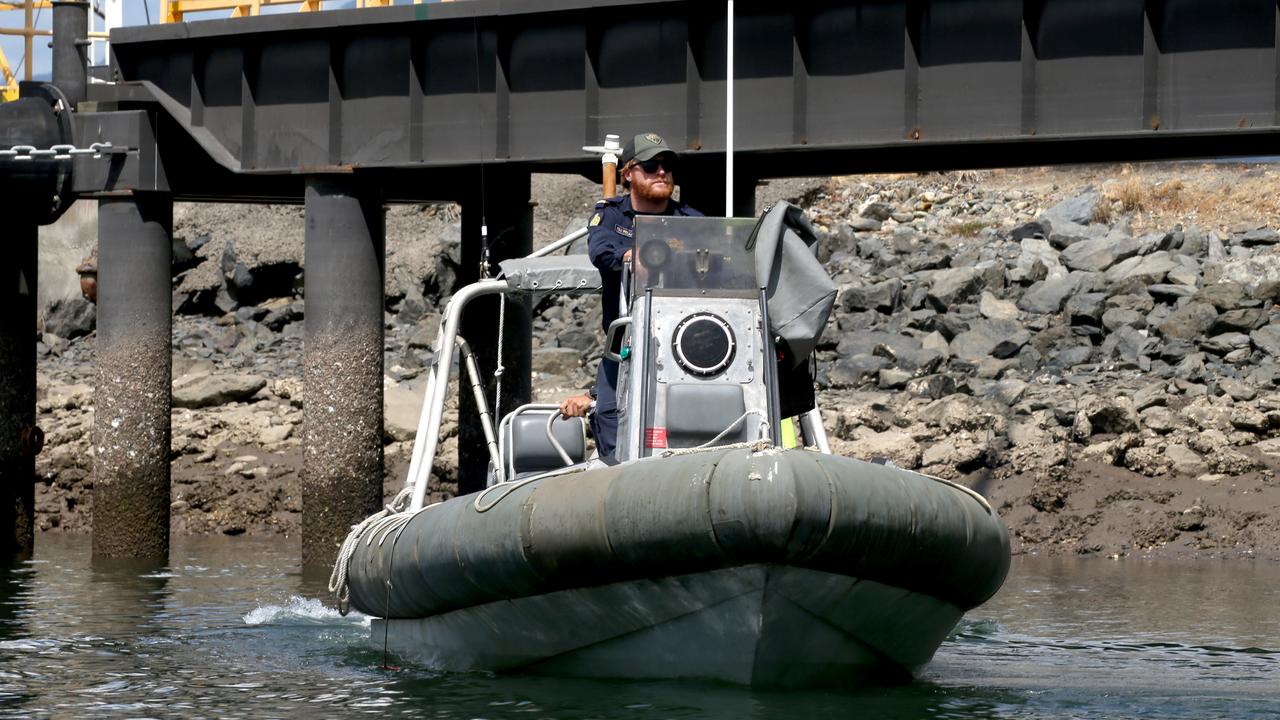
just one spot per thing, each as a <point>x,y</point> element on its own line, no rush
<point>415,98</point>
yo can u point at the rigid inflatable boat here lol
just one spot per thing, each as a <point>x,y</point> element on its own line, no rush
<point>724,542</point>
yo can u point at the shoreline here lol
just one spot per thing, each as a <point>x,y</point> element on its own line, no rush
<point>1025,332</point>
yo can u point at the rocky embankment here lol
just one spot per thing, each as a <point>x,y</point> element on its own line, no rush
<point>1095,349</point>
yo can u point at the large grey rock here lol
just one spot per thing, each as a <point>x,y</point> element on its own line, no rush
<point>953,286</point>
<point>1188,321</point>
<point>1049,295</point>
<point>893,445</point>
<point>1258,274</point>
<point>1086,308</point>
<point>205,390</point>
<point>1037,261</point>
<point>993,308</point>
<point>988,338</point>
<point>1098,254</point>
<point>1144,269</point>
<point>70,317</point>
<point>1261,236</point>
<point>1122,317</point>
<point>1079,209</point>
<point>857,370</point>
<point>1184,461</point>
<point>1267,339</point>
<point>1102,414</point>
<point>881,297</point>
<point>1239,320</point>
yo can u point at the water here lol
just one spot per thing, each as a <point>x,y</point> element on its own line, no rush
<point>231,628</point>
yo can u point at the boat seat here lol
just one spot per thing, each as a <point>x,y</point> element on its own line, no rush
<point>525,447</point>
<point>698,412</point>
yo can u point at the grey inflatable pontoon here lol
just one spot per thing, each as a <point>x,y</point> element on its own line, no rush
<point>727,544</point>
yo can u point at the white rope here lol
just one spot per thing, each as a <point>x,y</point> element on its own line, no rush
<point>391,518</point>
<point>755,445</point>
<point>497,372</point>
<point>507,488</point>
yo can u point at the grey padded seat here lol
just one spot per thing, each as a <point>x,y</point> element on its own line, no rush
<point>530,451</point>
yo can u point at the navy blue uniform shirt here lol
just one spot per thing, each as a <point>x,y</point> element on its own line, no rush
<point>612,232</point>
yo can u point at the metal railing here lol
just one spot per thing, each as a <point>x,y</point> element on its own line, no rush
<point>173,11</point>
<point>28,32</point>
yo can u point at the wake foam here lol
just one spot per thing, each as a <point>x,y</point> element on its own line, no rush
<point>301,611</point>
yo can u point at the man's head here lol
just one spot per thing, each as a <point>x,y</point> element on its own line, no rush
<point>648,168</point>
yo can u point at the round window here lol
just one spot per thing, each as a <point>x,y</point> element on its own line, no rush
<point>703,344</point>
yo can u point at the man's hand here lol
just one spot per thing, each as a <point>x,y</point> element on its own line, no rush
<point>576,406</point>
<point>626,256</point>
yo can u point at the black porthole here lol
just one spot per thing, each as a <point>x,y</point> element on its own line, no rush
<point>703,344</point>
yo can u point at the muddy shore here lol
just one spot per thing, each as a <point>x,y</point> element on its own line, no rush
<point>1095,349</point>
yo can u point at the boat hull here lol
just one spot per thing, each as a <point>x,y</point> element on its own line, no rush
<point>764,625</point>
<point>773,567</point>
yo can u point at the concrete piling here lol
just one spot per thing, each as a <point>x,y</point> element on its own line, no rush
<point>342,361</point>
<point>132,402</point>
<point>19,437</point>
<point>505,208</point>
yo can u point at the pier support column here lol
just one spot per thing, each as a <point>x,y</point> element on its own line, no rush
<point>342,407</point>
<point>19,440</point>
<point>504,207</point>
<point>135,360</point>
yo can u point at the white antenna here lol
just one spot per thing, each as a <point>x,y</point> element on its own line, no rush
<point>728,118</point>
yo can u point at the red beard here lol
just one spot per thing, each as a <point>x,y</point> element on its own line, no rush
<point>653,191</point>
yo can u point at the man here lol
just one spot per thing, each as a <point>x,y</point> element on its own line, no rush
<point>647,168</point>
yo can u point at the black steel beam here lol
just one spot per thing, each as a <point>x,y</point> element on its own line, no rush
<point>913,84</point>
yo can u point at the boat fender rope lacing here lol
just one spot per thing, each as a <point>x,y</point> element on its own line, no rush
<point>392,518</point>
<point>754,445</point>
<point>507,488</point>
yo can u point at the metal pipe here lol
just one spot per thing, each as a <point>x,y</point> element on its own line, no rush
<point>342,362</point>
<point>477,390</point>
<point>70,49</point>
<point>728,114</point>
<point>811,423</point>
<point>20,439</point>
<point>440,380</point>
<point>131,401</point>
<point>562,242</point>
<point>770,372</point>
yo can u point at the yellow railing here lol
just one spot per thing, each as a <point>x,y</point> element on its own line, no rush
<point>28,32</point>
<point>173,11</point>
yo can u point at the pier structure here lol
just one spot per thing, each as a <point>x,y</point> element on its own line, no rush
<point>343,111</point>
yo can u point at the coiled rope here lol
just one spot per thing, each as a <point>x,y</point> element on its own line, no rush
<point>392,518</point>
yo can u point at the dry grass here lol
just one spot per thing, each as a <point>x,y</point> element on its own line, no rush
<point>969,228</point>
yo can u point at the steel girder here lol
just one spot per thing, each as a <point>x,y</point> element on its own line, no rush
<point>822,87</point>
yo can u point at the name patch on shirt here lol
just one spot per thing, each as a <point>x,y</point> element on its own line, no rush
<point>626,232</point>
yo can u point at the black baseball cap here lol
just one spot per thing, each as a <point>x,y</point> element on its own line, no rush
<point>645,146</point>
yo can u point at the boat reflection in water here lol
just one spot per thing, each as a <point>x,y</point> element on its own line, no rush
<point>724,542</point>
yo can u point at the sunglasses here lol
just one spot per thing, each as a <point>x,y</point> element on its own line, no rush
<point>651,166</point>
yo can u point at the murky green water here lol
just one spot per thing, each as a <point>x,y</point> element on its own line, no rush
<point>233,628</point>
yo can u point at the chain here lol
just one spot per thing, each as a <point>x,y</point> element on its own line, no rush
<point>58,152</point>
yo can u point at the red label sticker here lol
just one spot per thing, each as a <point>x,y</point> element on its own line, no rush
<point>655,437</point>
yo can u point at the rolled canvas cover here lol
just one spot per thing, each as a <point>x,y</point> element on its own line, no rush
<point>798,290</point>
